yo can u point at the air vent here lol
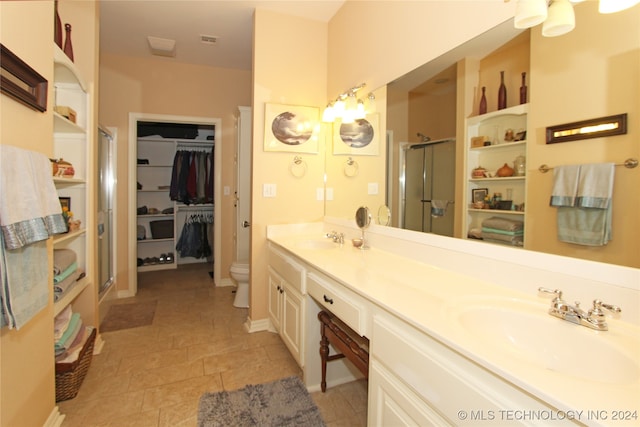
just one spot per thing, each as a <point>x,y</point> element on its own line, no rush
<point>208,39</point>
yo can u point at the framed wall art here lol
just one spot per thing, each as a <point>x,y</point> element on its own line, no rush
<point>362,137</point>
<point>291,128</point>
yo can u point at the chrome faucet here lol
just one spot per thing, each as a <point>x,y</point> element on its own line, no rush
<point>594,318</point>
<point>336,237</point>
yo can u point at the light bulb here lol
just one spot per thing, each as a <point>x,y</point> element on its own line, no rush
<point>561,19</point>
<point>360,112</point>
<point>612,6</point>
<point>329,115</point>
<point>530,13</point>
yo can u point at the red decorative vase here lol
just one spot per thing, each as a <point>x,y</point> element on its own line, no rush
<point>57,27</point>
<point>68,47</point>
<point>523,90</point>
<point>502,93</point>
<point>483,102</point>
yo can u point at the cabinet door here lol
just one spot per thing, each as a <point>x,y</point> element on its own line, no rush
<point>275,299</point>
<point>391,403</point>
<point>293,308</point>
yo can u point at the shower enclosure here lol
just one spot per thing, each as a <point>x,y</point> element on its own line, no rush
<point>105,209</point>
<point>428,174</point>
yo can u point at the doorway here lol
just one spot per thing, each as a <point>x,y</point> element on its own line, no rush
<point>134,187</point>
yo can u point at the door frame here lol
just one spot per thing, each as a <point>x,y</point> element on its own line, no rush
<point>134,118</point>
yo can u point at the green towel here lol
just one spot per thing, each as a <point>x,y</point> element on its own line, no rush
<point>60,277</point>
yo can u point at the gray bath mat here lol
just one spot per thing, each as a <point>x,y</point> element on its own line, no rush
<point>284,402</point>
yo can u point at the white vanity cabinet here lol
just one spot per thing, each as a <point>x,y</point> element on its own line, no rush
<point>416,380</point>
<point>287,305</point>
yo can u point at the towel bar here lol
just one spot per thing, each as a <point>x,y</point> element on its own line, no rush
<point>630,163</point>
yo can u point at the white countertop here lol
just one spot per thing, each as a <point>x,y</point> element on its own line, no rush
<point>431,298</point>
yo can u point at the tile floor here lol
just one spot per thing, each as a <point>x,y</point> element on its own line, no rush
<point>154,375</point>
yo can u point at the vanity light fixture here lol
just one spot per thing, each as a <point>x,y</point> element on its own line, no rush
<point>347,107</point>
<point>557,16</point>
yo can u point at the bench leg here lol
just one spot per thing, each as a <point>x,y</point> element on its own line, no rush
<point>324,355</point>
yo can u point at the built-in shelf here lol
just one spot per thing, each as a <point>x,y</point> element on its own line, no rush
<point>58,180</point>
<point>497,178</point>
<point>64,125</point>
<point>499,146</point>
<point>70,295</point>
<point>59,238</point>
<point>156,267</point>
<point>155,240</point>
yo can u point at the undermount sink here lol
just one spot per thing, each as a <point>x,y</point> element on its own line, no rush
<point>527,333</point>
<point>316,244</point>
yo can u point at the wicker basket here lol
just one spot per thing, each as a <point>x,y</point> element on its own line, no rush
<point>69,376</point>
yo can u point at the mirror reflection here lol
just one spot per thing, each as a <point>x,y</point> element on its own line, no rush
<point>591,72</point>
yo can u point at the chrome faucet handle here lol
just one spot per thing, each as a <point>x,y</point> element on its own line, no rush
<point>556,292</point>
<point>598,305</point>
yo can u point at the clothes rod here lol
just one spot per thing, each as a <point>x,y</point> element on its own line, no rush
<point>630,163</point>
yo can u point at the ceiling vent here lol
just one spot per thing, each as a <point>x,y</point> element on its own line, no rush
<point>211,40</point>
<point>162,47</point>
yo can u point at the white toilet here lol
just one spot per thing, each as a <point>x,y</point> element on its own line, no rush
<point>239,272</point>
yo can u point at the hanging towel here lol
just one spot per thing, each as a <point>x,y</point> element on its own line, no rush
<point>565,185</point>
<point>588,221</point>
<point>29,206</point>
<point>29,213</point>
<point>439,208</point>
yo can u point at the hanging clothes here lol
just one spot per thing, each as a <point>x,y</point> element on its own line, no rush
<point>195,240</point>
<point>191,177</point>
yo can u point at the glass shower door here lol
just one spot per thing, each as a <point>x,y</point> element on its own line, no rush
<point>105,209</point>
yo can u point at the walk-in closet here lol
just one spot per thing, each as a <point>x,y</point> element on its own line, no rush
<point>175,189</point>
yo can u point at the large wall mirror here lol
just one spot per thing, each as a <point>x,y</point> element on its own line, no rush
<point>591,72</point>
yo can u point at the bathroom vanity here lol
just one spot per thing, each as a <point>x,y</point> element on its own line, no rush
<point>458,336</point>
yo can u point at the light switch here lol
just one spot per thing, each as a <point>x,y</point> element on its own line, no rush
<point>319,194</point>
<point>226,190</point>
<point>372,188</point>
<point>268,190</point>
<point>329,193</point>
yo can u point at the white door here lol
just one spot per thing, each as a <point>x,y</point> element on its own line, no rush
<point>243,185</point>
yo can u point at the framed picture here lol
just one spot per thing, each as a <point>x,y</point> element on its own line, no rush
<point>362,137</point>
<point>65,202</point>
<point>478,194</point>
<point>291,128</point>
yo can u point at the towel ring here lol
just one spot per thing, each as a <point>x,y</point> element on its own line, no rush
<point>351,167</point>
<point>298,167</point>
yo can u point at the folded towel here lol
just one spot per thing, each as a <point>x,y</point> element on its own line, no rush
<point>59,289</point>
<point>565,185</point>
<point>588,220</point>
<point>72,353</point>
<point>498,231</point>
<point>62,259</point>
<point>60,277</point>
<point>503,224</point>
<point>61,322</point>
<point>70,333</point>
<point>502,237</point>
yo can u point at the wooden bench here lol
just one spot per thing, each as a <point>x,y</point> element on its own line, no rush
<point>353,346</point>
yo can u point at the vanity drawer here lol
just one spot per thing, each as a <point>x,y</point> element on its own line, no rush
<point>292,272</point>
<point>346,305</point>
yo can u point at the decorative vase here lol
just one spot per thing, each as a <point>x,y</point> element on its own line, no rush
<point>68,47</point>
<point>519,164</point>
<point>505,171</point>
<point>483,102</point>
<point>502,93</point>
<point>523,90</point>
<point>57,27</point>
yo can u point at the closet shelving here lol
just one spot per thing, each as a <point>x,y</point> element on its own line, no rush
<point>72,143</point>
<point>494,126</point>
<point>155,179</point>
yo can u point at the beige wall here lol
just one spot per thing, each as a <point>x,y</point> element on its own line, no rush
<point>27,375</point>
<point>594,71</point>
<point>289,65</point>
<point>158,85</point>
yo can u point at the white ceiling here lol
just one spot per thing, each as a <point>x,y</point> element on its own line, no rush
<point>125,25</point>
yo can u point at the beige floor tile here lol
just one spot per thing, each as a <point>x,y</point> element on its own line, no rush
<point>154,375</point>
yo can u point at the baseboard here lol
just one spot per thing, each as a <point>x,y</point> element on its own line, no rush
<point>225,282</point>
<point>55,418</point>
<point>258,325</point>
<point>125,294</point>
<point>98,344</point>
